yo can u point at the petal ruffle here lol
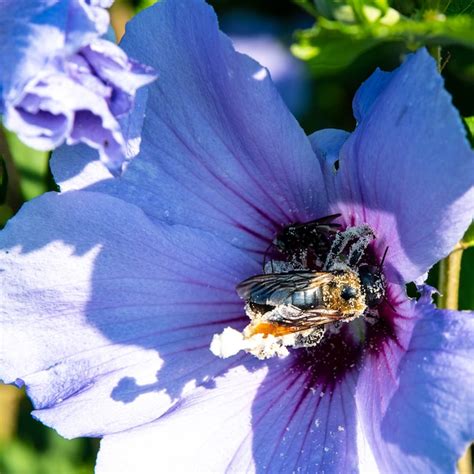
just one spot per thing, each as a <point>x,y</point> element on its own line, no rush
<point>220,150</point>
<point>416,403</point>
<point>407,170</point>
<point>33,32</point>
<point>76,167</point>
<point>113,314</point>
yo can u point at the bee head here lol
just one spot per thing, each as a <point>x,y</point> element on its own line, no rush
<point>373,283</point>
<point>288,237</point>
<point>348,292</point>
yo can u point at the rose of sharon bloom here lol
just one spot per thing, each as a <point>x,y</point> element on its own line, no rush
<point>60,82</point>
<point>113,289</point>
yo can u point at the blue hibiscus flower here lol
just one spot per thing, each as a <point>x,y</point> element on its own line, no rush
<point>61,82</point>
<point>113,289</point>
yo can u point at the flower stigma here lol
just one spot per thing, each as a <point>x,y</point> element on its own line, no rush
<point>318,277</point>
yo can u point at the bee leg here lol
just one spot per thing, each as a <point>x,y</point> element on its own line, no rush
<point>339,243</point>
<point>335,250</point>
<point>364,235</point>
<point>371,317</point>
<point>311,339</point>
<point>265,256</point>
<point>358,248</point>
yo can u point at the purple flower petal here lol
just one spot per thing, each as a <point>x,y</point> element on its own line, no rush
<point>220,149</point>
<point>263,420</point>
<point>75,87</point>
<point>99,307</point>
<point>76,167</point>
<point>87,20</point>
<point>34,32</point>
<point>288,73</point>
<point>327,144</point>
<point>210,431</point>
<point>113,310</point>
<point>314,412</point>
<point>407,170</point>
<point>369,92</point>
<point>414,397</point>
<point>113,66</point>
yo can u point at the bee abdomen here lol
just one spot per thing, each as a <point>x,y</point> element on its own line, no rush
<point>306,299</point>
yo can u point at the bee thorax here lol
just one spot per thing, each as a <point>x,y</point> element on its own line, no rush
<point>344,294</point>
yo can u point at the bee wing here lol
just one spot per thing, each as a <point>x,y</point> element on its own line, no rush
<point>286,319</point>
<point>277,287</point>
<point>321,222</point>
<point>301,320</point>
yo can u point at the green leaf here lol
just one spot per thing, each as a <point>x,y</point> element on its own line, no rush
<point>469,123</point>
<point>468,239</point>
<point>17,457</point>
<point>466,295</point>
<point>31,165</point>
<point>307,6</point>
<point>435,29</point>
<point>332,45</point>
<point>351,11</point>
<point>3,180</point>
<point>329,52</point>
<point>460,7</point>
<point>142,4</point>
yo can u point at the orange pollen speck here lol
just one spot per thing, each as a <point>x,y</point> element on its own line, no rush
<point>267,328</point>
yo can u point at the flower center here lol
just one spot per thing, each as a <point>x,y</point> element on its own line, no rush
<point>316,277</point>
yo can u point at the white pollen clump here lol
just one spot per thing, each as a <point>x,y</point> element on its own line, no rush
<point>227,344</point>
<point>231,341</point>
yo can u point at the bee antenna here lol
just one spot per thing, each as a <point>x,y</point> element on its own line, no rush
<point>383,258</point>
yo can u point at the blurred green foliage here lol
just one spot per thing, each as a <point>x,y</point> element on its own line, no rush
<point>346,29</point>
<point>342,42</point>
<point>3,180</point>
<point>40,450</point>
<point>31,165</point>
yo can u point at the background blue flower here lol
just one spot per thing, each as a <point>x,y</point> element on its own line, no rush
<point>60,82</point>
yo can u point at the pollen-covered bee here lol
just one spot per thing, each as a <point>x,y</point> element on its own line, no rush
<point>292,308</point>
<point>301,302</point>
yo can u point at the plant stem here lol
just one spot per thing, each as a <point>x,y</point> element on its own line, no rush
<point>435,51</point>
<point>448,285</point>
<point>449,274</point>
<point>10,398</point>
